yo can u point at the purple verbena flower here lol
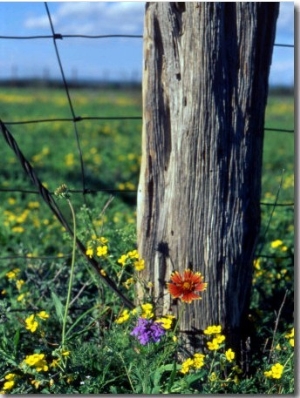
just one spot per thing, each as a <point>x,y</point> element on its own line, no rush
<point>148,331</point>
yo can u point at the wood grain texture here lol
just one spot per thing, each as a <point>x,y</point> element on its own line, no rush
<point>205,85</point>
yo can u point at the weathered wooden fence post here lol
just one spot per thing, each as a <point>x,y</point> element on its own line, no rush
<point>205,85</point>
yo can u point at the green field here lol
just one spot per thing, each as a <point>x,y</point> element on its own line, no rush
<point>36,254</point>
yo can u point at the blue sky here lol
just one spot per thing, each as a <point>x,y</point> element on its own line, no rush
<point>112,59</point>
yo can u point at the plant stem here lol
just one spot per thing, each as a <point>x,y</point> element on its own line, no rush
<point>179,317</point>
<point>63,337</point>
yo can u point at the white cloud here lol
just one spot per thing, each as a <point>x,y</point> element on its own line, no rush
<point>93,18</point>
<point>38,22</point>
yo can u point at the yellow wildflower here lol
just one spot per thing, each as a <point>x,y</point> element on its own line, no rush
<point>128,282</point>
<point>21,297</point>
<point>8,385</point>
<point>166,321</point>
<point>89,252</point>
<point>198,360</point>
<point>102,240</point>
<point>122,259</point>
<point>19,284</point>
<point>43,315</point>
<point>213,377</point>
<point>133,254</point>
<point>33,205</point>
<point>230,355</point>
<point>276,243</point>
<point>214,329</point>
<point>18,229</point>
<point>219,339</point>
<point>54,363</point>
<point>139,265</point>
<point>147,310</point>
<point>186,365</point>
<point>31,323</point>
<point>290,336</point>
<point>213,345</point>
<point>36,383</point>
<point>13,274</point>
<point>124,317</point>
<point>38,361</point>
<point>275,372</point>
<point>102,251</point>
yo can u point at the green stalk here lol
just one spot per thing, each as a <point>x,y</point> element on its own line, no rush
<point>63,337</point>
<point>179,317</point>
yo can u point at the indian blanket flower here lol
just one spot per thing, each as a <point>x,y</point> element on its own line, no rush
<point>275,372</point>
<point>31,323</point>
<point>38,361</point>
<point>148,331</point>
<point>186,286</point>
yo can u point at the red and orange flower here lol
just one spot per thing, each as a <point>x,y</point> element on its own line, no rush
<point>186,286</point>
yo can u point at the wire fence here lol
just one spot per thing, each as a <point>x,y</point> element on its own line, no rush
<point>76,119</point>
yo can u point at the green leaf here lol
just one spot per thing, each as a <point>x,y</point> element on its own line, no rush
<point>58,307</point>
<point>16,340</point>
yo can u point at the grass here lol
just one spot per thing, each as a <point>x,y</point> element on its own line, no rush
<point>83,344</point>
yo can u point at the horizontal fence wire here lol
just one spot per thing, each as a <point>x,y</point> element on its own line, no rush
<point>45,194</point>
<point>76,119</point>
<point>66,36</point>
<point>79,119</point>
<point>60,36</point>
